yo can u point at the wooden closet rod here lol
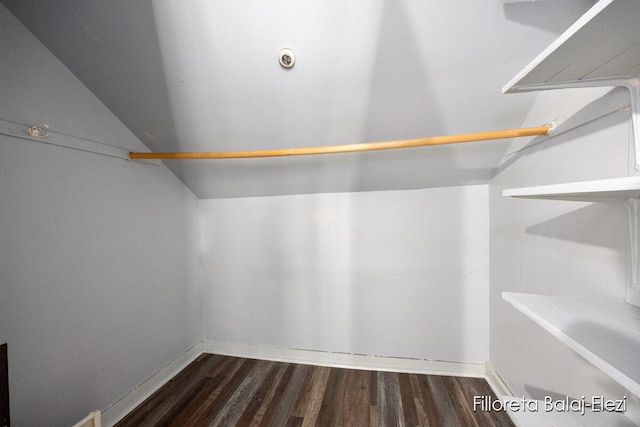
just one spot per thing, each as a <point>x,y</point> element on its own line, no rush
<point>370,146</point>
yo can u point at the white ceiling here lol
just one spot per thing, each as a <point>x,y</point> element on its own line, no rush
<point>203,75</point>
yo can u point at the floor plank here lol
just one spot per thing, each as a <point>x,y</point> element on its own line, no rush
<point>408,402</point>
<point>319,385</point>
<point>219,390</point>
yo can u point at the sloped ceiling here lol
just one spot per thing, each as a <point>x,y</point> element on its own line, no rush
<point>203,75</point>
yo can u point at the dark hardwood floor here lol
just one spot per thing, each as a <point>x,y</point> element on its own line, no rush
<point>230,391</point>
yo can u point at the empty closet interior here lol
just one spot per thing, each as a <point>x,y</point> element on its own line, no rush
<point>455,249</point>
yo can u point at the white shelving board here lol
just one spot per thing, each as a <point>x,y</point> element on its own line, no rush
<point>605,190</point>
<point>606,333</point>
<point>600,47</point>
<point>553,418</point>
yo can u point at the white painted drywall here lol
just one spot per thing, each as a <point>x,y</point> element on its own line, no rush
<point>98,270</point>
<point>394,273</point>
<point>557,247</point>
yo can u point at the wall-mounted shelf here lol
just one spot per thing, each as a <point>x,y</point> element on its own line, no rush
<point>605,190</point>
<point>602,48</point>
<point>603,45</point>
<point>606,333</point>
<point>617,190</point>
<point>544,418</point>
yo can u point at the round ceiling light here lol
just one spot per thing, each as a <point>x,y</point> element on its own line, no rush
<point>287,58</point>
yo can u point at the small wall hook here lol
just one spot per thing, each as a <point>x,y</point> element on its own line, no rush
<point>38,131</point>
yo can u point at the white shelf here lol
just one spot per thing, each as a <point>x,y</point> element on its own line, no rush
<point>605,190</point>
<point>554,418</point>
<point>605,333</point>
<point>600,47</point>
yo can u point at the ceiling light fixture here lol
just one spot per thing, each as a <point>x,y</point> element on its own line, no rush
<point>287,58</point>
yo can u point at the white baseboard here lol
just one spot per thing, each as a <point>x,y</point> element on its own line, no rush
<point>135,397</point>
<point>495,382</point>
<point>346,360</point>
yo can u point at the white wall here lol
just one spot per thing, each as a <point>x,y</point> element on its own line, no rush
<point>557,247</point>
<point>395,273</point>
<point>98,280</point>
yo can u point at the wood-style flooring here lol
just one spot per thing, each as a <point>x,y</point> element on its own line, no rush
<point>219,390</point>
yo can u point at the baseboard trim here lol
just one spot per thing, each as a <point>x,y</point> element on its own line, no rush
<point>346,360</point>
<point>502,392</point>
<point>495,382</point>
<point>135,397</point>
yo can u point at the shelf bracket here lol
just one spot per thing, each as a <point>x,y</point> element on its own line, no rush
<point>633,209</point>
<point>633,283</point>
<point>634,93</point>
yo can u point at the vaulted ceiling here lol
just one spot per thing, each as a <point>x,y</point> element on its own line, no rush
<point>203,75</point>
